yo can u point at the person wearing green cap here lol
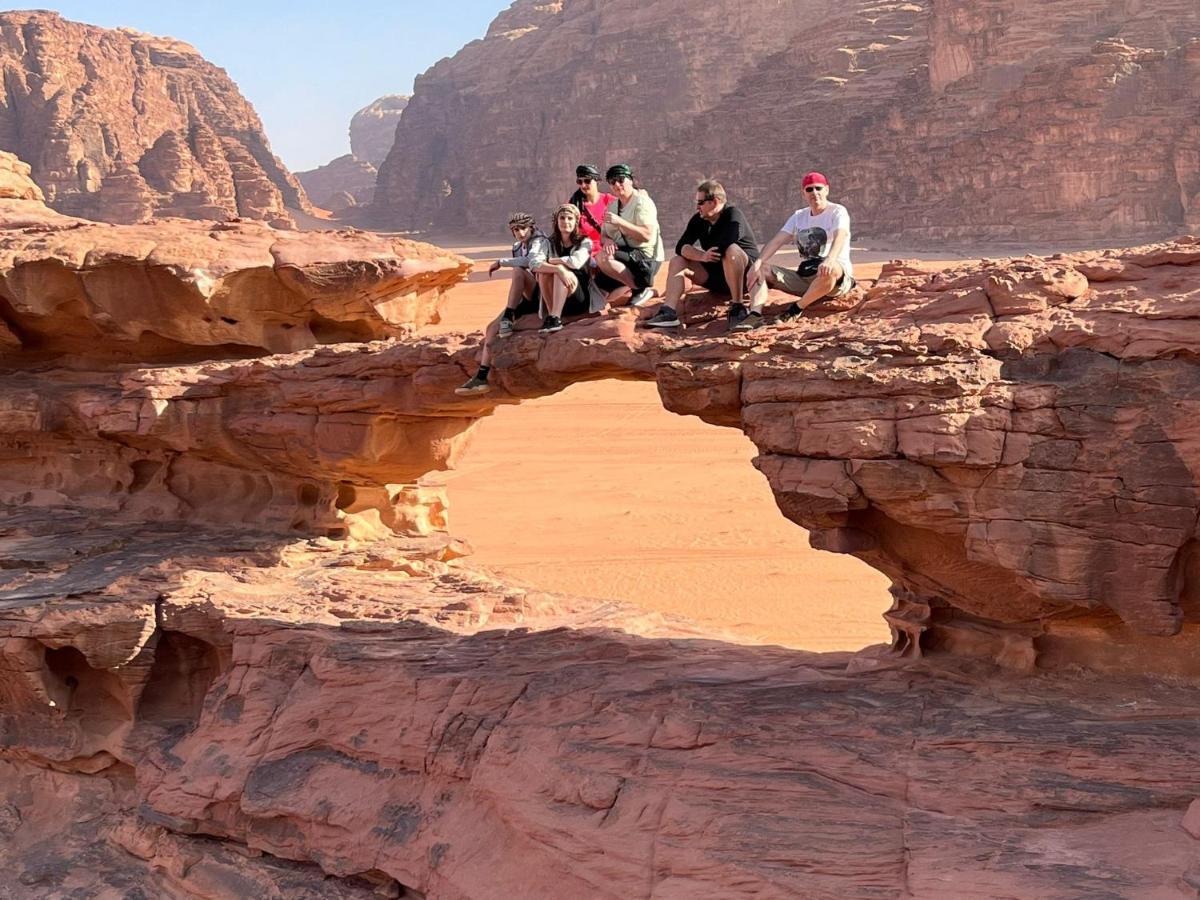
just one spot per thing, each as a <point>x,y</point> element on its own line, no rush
<point>632,247</point>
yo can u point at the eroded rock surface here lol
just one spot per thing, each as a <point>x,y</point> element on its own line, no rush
<point>179,288</point>
<point>1008,440</point>
<point>242,655</point>
<point>123,127</point>
<point>230,711</point>
<point>937,120</point>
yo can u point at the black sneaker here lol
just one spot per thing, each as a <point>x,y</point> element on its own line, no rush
<point>475,385</point>
<point>551,323</point>
<point>664,318</point>
<point>792,312</point>
<point>752,321</point>
<point>505,329</point>
<point>737,313</point>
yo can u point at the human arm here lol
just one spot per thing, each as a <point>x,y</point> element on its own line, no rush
<point>841,237</point>
<point>773,246</point>
<point>537,253</point>
<point>691,233</point>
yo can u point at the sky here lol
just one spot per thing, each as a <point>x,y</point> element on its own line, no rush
<point>306,65</point>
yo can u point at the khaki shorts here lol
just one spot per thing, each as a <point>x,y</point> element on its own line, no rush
<point>791,282</point>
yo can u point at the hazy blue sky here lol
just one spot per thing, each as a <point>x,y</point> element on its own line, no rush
<point>306,65</point>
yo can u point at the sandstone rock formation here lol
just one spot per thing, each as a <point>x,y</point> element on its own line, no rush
<point>341,184</point>
<point>123,127</point>
<point>241,654</point>
<point>936,120</point>
<point>373,128</point>
<point>349,181</point>
<point>225,716</point>
<point>179,288</point>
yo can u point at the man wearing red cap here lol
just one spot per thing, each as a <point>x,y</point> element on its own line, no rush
<point>822,234</point>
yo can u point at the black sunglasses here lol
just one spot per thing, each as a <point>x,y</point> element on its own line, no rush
<point>705,200</point>
<point>584,180</point>
<point>618,179</point>
<point>813,188</point>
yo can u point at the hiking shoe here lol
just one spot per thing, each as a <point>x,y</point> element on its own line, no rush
<point>737,313</point>
<point>475,385</point>
<point>551,323</point>
<point>792,312</point>
<point>664,318</point>
<point>506,328</point>
<point>752,321</point>
<point>642,297</point>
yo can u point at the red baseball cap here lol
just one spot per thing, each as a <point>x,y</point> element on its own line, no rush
<point>814,178</point>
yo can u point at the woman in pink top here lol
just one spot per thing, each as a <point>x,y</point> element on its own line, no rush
<point>591,203</point>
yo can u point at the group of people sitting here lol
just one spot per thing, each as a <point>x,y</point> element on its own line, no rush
<point>606,249</point>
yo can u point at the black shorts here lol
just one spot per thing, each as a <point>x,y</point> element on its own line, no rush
<point>715,282</point>
<point>641,278</point>
<point>580,302</point>
<point>530,305</point>
<point>715,278</point>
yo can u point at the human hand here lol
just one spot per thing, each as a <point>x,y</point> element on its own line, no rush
<point>608,248</point>
<point>710,255</point>
<point>826,268</point>
<point>753,274</point>
<point>493,268</point>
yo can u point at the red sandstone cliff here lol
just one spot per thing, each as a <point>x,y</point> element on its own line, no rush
<point>937,120</point>
<point>123,127</point>
<point>349,181</point>
<point>239,655</point>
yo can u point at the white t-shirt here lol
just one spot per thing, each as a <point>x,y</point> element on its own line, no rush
<point>814,234</point>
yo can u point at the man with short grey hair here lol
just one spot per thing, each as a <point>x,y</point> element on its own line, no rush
<point>714,253</point>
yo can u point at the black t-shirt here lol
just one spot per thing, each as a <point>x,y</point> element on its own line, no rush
<point>730,227</point>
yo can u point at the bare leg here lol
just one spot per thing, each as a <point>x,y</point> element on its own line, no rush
<point>558,297</point>
<point>489,335</point>
<point>822,286</point>
<point>734,262</point>
<point>616,269</point>
<point>680,275</point>
<point>520,287</point>
<point>758,296</point>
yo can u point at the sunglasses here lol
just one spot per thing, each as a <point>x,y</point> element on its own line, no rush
<point>618,179</point>
<point>584,180</point>
<point>813,188</point>
<point>705,200</point>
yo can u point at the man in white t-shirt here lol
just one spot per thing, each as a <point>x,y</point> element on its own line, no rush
<point>821,233</point>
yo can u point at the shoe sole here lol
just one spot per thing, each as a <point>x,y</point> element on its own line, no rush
<point>460,392</point>
<point>549,330</point>
<point>674,324</point>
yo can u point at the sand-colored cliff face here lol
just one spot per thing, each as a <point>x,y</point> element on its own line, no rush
<point>994,119</point>
<point>123,127</point>
<point>373,128</point>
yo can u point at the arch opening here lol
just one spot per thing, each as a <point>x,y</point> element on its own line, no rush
<point>599,491</point>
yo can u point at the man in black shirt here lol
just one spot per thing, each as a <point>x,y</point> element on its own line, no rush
<point>714,253</point>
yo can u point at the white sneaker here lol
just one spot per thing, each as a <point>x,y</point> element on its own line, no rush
<point>642,297</point>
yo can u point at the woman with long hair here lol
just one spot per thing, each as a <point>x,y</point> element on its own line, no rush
<point>565,278</point>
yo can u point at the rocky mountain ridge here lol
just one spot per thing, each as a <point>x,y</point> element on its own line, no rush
<point>937,121</point>
<point>124,127</point>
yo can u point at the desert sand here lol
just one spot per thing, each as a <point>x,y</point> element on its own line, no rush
<point>579,493</point>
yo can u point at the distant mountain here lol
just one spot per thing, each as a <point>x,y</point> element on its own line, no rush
<point>123,127</point>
